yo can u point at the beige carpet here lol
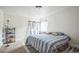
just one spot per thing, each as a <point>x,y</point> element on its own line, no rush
<point>24,49</point>
<point>20,50</point>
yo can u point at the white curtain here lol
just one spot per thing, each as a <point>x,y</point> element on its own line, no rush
<point>34,27</point>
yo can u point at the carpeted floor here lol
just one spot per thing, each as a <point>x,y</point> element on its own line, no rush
<point>24,49</point>
<point>20,50</point>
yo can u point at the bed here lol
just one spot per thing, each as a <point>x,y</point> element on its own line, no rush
<point>45,43</point>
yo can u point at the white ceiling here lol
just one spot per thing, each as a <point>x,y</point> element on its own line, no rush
<point>31,11</point>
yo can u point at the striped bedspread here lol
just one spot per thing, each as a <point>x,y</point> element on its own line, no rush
<point>46,43</point>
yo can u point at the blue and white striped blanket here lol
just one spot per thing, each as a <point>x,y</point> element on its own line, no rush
<point>46,43</point>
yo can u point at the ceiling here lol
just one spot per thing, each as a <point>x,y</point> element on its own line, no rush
<point>31,11</point>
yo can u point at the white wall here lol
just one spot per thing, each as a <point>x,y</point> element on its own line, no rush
<point>66,21</point>
<point>1,25</point>
<point>20,23</point>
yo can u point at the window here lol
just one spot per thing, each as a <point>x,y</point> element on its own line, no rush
<point>37,27</point>
<point>44,26</point>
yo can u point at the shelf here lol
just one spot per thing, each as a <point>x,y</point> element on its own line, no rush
<point>9,35</point>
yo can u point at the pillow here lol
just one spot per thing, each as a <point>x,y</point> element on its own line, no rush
<point>60,33</point>
<point>55,33</point>
<point>52,33</point>
<point>49,33</point>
